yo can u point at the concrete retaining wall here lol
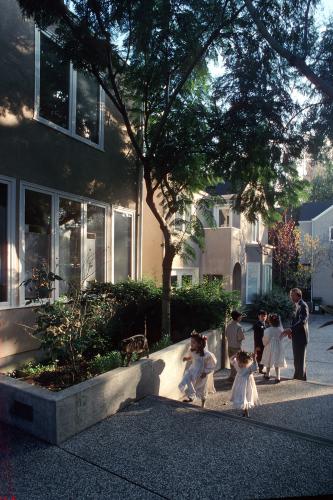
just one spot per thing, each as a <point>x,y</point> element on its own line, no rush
<point>55,417</point>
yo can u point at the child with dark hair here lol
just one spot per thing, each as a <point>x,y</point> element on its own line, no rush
<point>235,335</point>
<point>244,393</point>
<point>197,379</point>
<point>273,355</point>
<point>258,333</point>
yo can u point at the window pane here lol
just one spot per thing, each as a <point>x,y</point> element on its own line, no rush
<point>221,218</point>
<point>54,83</point>
<point>69,245</point>
<point>253,280</point>
<point>122,246</point>
<point>3,243</point>
<point>95,244</point>
<point>174,281</point>
<point>87,107</point>
<point>37,234</point>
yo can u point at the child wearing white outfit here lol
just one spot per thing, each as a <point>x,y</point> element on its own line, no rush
<point>244,393</point>
<point>273,355</point>
<point>198,379</point>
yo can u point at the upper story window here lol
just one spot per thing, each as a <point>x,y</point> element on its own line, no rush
<point>255,231</point>
<point>183,220</point>
<point>68,100</point>
<point>330,237</point>
<point>223,216</point>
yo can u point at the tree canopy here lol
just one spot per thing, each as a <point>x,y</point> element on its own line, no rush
<point>151,58</point>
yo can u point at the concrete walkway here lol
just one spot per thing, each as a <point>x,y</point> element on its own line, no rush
<point>158,448</point>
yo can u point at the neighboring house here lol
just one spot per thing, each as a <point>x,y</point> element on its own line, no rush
<point>316,220</point>
<point>238,251</point>
<point>235,250</point>
<point>68,192</point>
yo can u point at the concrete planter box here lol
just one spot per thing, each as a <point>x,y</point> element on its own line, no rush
<point>55,417</point>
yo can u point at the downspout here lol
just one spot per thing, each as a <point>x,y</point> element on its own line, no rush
<point>139,224</point>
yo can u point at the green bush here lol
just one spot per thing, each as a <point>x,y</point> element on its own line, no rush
<point>33,370</point>
<point>276,301</point>
<point>161,344</point>
<point>102,364</point>
<point>201,307</point>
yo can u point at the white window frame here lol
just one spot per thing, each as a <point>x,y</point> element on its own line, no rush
<point>330,233</point>
<point>71,131</point>
<point>11,192</point>
<point>183,224</point>
<point>190,271</point>
<point>217,209</point>
<point>55,197</point>
<point>257,265</point>
<point>130,213</point>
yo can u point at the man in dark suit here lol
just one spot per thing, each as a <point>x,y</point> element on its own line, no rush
<point>299,333</point>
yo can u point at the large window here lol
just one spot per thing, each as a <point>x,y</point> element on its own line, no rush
<point>267,278</point>
<point>184,277</point>
<point>62,235</point>
<point>66,99</point>
<point>6,240</point>
<point>223,216</point>
<point>252,281</point>
<point>123,247</point>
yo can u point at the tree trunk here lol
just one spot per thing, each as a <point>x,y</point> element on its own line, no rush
<point>166,288</point>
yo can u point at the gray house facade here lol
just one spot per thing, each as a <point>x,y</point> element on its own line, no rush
<point>316,220</point>
<point>69,196</point>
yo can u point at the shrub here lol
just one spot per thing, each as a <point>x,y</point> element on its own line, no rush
<point>161,344</point>
<point>33,370</point>
<point>102,364</point>
<point>276,301</point>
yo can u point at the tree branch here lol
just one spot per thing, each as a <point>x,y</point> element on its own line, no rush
<point>324,86</point>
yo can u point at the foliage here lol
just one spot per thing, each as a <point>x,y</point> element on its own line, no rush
<point>322,185</point>
<point>34,369</point>
<point>276,301</point>
<point>161,344</point>
<point>285,237</point>
<point>107,362</point>
<point>67,330</point>
<point>40,285</point>
<point>200,307</point>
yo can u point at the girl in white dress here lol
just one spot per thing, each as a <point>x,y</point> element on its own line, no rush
<point>244,393</point>
<point>273,355</point>
<point>198,379</point>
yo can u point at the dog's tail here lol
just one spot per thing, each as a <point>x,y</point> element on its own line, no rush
<point>145,330</point>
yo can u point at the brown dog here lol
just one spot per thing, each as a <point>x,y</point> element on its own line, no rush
<point>136,344</point>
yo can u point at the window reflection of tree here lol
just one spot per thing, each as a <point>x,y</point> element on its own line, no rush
<point>87,103</point>
<point>54,83</point>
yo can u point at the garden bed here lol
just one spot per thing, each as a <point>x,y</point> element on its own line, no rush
<point>56,416</point>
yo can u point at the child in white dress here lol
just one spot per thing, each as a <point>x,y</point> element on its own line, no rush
<point>273,355</point>
<point>244,393</point>
<point>198,379</point>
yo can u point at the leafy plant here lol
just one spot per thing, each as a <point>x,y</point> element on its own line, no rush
<point>40,285</point>
<point>161,344</point>
<point>276,301</point>
<point>102,364</point>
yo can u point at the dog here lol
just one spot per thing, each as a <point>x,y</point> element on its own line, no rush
<point>135,344</point>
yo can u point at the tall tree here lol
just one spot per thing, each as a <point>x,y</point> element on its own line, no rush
<point>150,57</point>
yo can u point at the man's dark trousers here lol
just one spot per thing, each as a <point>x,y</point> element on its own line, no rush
<point>300,336</point>
<point>299,351</point>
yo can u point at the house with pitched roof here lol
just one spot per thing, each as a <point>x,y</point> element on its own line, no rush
<point>316,220</point>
